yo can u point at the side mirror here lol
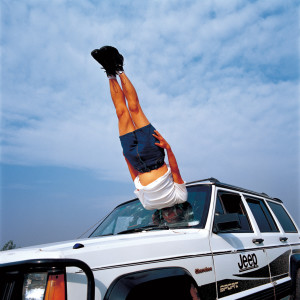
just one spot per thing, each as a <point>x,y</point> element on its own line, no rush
<point>227,222</point>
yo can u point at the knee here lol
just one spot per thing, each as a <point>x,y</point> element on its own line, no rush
<point>134,108</point>
<point>122,112</point>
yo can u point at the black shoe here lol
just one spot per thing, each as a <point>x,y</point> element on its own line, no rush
<point>105,59</point>
<point>110,59</point>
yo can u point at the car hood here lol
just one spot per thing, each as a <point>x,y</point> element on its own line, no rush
<point>118,249</point>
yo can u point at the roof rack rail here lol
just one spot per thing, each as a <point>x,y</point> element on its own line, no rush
<point>211,179</point>
<point>265,194</point>
<point>277,200</point>
<point>243,190</point>
<point>225,185</point>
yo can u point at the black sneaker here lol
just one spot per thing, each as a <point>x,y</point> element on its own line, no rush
<point>105,59</point>
<point>110,59</point>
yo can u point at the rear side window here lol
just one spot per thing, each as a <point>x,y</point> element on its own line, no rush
<point>283,217</point>
<point>262,215</point>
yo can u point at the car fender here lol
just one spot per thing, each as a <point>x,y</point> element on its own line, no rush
<point>122,285</point>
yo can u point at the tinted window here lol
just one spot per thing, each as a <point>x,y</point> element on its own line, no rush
<point>262,215</point>
<point>230,203</point>
<point>282,217</point>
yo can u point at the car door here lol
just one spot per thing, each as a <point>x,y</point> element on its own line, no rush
<point>274,241</point>
<point>289,235</point>
<point>240,262</point>
<point>288,229</point>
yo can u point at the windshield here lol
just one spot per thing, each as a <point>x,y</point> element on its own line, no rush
<point>133,217</point>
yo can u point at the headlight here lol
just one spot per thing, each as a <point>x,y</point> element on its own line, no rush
<point>34,286</point>
<point>44,286</point>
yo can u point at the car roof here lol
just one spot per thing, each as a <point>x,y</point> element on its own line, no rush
<point>216,182</point>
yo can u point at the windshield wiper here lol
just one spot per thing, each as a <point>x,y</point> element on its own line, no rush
<point>145,228</point>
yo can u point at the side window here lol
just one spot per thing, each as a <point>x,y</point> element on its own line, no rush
<point>262,215</point>
<point>283,217</point>
<point>231,203</point>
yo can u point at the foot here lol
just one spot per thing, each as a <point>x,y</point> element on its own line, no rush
<point>110,59</point>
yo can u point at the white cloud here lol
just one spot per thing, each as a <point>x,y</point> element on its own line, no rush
<point>219,79</point>
<point>208,74</point>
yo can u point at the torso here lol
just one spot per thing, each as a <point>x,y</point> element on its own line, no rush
<point>148,177</point>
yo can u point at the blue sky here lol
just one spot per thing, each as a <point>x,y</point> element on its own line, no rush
<point>219,79</point>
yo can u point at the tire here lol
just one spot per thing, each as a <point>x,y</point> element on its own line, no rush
<point>297,287</point>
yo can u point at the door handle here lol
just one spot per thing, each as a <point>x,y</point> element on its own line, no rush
<point>257,241</point>
<point>283,239</point>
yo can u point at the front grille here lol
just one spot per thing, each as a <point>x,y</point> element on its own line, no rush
<point>11,286</point>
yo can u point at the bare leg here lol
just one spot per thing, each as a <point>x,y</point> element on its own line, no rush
<point>125,122</point>
<point>137,115</point>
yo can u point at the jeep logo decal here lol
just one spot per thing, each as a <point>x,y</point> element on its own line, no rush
<point>247,262</point>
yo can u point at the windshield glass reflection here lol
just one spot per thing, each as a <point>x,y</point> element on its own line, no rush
<point>131,216</point>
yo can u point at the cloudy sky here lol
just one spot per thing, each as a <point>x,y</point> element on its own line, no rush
<point>219,79</point>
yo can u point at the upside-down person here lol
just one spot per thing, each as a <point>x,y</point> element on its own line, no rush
<point>158,185</point>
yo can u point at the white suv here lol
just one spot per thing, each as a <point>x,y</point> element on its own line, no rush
<point>225,242</point>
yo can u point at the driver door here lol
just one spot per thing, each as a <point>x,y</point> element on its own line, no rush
<point>240,263</point>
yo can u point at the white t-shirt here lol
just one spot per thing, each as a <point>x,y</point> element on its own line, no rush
<point>163,192</point>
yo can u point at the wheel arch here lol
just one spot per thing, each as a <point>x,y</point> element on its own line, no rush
<point>123,285</point>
